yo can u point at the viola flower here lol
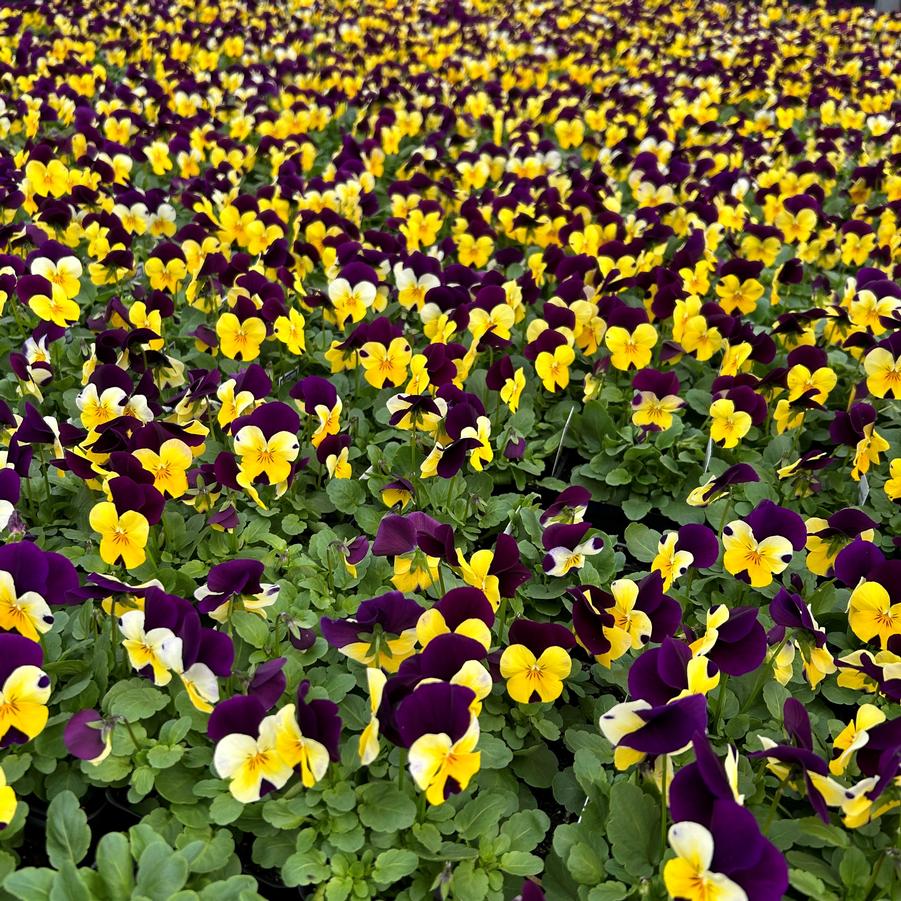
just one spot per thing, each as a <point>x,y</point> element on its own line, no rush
<point>385,364</point>
<point>670,672</point>
<point>24,690</point>
<point>168,466</point>
<point>307,735</point>
<point>462,611</point>
<point>368,747</point>
<point>734,640</point>
<point>566,550</point>
<point>761,546</point>
<point>352,553</point>
<point>656,400</point>
<point>699,787</point>
<point>30,580</point>
<point>637,729</point>
<point>397,492</point>
<point>690,875</point>
<point>88,736</point>
<point>553,367</point>
<point>826,538</point>
<point>246,752</point>
<point>536,662</point>
<point>367,636</point>
<point>789,611</point>
<point>123,535</point>
<point>718,486</point>
<point>693,545</point>
<point>631,348</point>
<point>418,544</point>
<point>155,649</point>
<point>289,330</point>
<point>235,584</point>
<point>350,301</point>
<point>441,735</point>
<point>240,339</point>
<point>853,737</point>
<point>8,802</point>
<point>873,612</point>
<point>728,424</point>
<point>568,507</point>
<point>857,428</point>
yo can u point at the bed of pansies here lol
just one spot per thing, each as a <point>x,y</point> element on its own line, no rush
<point>450,449</point>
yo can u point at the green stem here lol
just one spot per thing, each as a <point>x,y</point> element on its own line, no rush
<point>720,703</point>
<point>774,806</point>
<point>764,672</point>
<point>131,734</point>
<point>663,807</point>
<point>502,619</point>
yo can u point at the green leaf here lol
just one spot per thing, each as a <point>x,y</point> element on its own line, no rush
<point>68,834</point>
<point>225,809</point>
<point>115,865</point>
<point>495,753</point>
<point>484,812</point>
<point>537,765</point>
<point>521,863</point>
<point>305,868</point>
<point>69,885</point>
<point>470,883</point>
<point>135,699</point>
<point>618,476</point>
<point>633,828</point>
<point>208,855</point>
<point>609,891</point>
<point>252,628</point>
<point>854,868</point>
<point>30,883</point>
<point>641,541</point>
<point>526,829</point>
<point>385,808</point>
<point>161,871</point>
<point>346,494</point>
<point>160,757</point>
<point>585,865</point>
<point>393,865</point>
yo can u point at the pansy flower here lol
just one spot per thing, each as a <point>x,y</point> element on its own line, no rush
<point>30,580</point>
<point>381,633</point>
<point>693,545</point>
<point>565,549</point>
<point>246,748</point>
<point>718,486</point>
<point>637,729</point>
<point>235,584</point>
<point>89,736</point>
<point>123,533</point>
<point>789,611</point>
<point>24,690</point>
<point>368,745</point>
<point>856,428</point>
<point>720,850</point>
<point>761,546</point>
<point>400,491</point>
<point>826,538</point>
<point>462,611</point>
<point>418,544</point>
<point>656,399</point>
<point>536,662</point>
<point>266,444</point>
<point>568,507</point>
<point>672,671</point>
<point>441,734</point>
<point>307,735</point>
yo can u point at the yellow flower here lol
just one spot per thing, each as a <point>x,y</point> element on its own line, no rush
<point>233,405</point>
<point>892,487</point>
<point>527,674</point>
<point>856,248</point>
<point>289,330</point>
<point>670,563</point>
<point>386,364</point>
<point>246,761</point>
<point>296,750</point>
<point>165,276</point>
<point>553,368</point>
<point>368,747</point>
<point>688,875</point>
<point>240,340</point>
<point>8,802</point>
<point>27,613</point>
<point>97,409</point>
<point>350,302</point>
<point>431,624</point>
<point>741,296</point>
<point>867,451</point>
<point>729,425</point>
<point>434,758</point>
<point>633,349</point>
<point>64,275</point>
<point>631,628</point>
<point>475,573</point>
<point>168,467</point>
<point>122,536</point>
<point>883,373</point>
<point>259,455</point>
<point>481,432</point>
<point>655,411</point>
<point>871,613</point>
<point>158,648</point>
<point>23,701</point>
<point>760,560</point>
<point>854,736</point>
<point>800,380</point>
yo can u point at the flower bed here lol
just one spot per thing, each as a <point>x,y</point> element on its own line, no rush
<point>450,450</point>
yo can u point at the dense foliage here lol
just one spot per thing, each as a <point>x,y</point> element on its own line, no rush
<point>450,449</point>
